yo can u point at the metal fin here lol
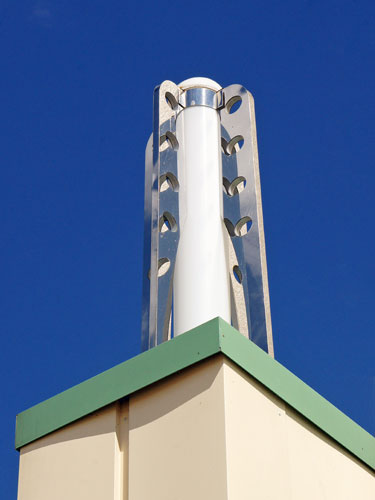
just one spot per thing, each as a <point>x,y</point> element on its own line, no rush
<point>243,217</point>
<point>161,218</point>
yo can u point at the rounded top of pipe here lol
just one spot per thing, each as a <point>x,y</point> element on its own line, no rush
<point>199,82</point>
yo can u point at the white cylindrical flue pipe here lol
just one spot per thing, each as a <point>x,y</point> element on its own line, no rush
<point>201,277</point>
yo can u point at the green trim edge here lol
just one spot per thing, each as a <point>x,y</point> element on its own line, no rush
<point>208,339</point>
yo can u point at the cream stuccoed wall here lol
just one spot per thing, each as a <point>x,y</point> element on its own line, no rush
<point>84,460</point>
<point>177,437</point>
<point>210,431</point>
<point>273,452</point>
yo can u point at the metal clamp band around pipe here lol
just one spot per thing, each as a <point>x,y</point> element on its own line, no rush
<point>201,96</point>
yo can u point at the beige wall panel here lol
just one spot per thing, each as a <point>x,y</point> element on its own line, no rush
<point>273,452</point>
<point>255,439</point>
<point>208,432</point>
<point>176,437</point>
<point>322,469</point>
<point>81,461</point>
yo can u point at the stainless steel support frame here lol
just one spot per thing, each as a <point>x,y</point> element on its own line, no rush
<point>250,304</point>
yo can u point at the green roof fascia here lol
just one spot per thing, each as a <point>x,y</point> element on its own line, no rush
<point>211,338</point>
<point>297,394</point>
<point>117,382</point>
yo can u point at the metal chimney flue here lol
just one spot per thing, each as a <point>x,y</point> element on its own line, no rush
<point>204,252</point>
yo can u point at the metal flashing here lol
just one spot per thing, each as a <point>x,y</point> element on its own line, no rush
<point>153,365</point>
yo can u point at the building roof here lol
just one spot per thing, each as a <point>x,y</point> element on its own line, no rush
<point>209,339</point>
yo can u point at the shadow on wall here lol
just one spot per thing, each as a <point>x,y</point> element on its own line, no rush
<point>154,402</point>
<point>100,422</point>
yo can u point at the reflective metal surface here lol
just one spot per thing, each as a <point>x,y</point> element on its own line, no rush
<point>201,96</point>
<point>161,218</point>
<point>244,218</point>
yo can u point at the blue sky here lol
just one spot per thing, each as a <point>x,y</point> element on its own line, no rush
<point>76,89</point>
